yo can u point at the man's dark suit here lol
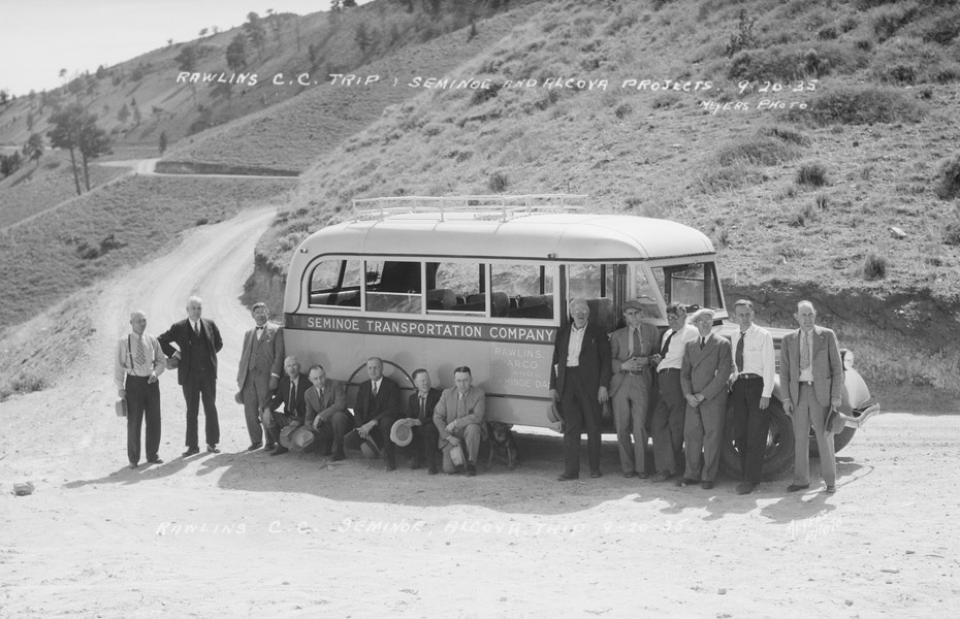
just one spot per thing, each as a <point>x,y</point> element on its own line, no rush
<point>425,436</point>
<point>330,408</point>
<point>196,374</point>
<point>293,410</point>
<point>578,388</point>
<point>385,407</point>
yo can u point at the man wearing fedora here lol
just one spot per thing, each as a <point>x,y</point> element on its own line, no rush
<point>326,412</point>
<point>458,417</point>
<point>425,436</point>
<point>378,407</point>
<point>634,352</point>
<point>811,373</point>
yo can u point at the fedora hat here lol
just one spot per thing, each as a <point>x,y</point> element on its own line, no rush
<point>401,433</point>
<point>835,422</point>
<point>456,455</point>
<point>369,448</point>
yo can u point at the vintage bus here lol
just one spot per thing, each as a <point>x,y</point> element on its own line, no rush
<point>484,281</point>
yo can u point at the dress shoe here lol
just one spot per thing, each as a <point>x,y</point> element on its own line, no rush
<point>391,466</point>
<point>643,475</point>
<point>595,474</point>
<point>212,449</point>
<point>565,477</point>
<point>706,485</point>
<point>471,469</point>
<point>133,465</point>
<point>434,469</point>
<point>254,446</point>
<point>338,457</point>
<point>685,481</point>
<point>191,451</point>
<point>629,474</point>
<point>155,460</point>
<point>270,447</point>
<point>831,489</point>
<point>416,463</point>
<point>746,487</point>
<point>661,477</point>
<point>279,450</point>
<point>795,487</point>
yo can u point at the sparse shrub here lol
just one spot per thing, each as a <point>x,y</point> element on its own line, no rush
<point>803,216</point>
<point>951,233</point>
<point>665,100</point>
<point>202,221</point>
<point>812,174</point>
<point>623,110</point>
<point>497,182</point>
<point>822,202</point>
<point>621,22</point>
<point>85,251</point>
<point>481,95</point>
<point>858,105</point>
<point>907,61</point>
<point>874,267</point>
<point>948,179</point>
<point>788,251</point>
<point>849,23</point>
<point>744,37</point>
<point>633,202</point>
<point>793,61</point>
<point>886,23</point>
<point>785,135</point>
<point>864,45</point>
<point>729,177</point>
<point>943,29</point>
<point>828,33</point>
<point>757,150</point>
<point>28,383</point>
<point>721,236</point>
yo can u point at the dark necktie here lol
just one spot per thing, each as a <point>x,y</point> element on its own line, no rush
<point>196,328</point>
<point>636,342</point>
<point>666,345</point>
<point>423,406</point>
<point>804,350</point>
<point>141,359</point>
<point>702,342</point>
<point>743,336</point>
<point>293,392</point>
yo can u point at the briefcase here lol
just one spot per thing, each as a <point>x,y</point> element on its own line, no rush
<point>121,407</point>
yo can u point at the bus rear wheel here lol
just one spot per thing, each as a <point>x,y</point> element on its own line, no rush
<point>778,455</point>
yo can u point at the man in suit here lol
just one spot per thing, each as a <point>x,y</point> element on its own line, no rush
<point>668,416</point>
<point>261,363</point>
<point>378,406</point>
<point>139,364</point>
<point>426,437</point>
<point>326,412</point>
<point>754,372</point>
<point>633,349</point>
<point>458,417</point>
<point>704,376</point>
<point>811,373</point>
<point>291,390</point>
<point>579,376</point>
<point>198,342</point>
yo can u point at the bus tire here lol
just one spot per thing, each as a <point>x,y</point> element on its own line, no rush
<point>778,457</point>
<point>840,440</point>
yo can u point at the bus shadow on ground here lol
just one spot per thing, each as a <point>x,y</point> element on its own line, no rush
<point>530,488</point>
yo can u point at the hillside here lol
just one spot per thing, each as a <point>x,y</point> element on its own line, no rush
<point>802,196</point>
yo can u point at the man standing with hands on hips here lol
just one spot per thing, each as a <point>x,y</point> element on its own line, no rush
<point>753,379</point>
<point>139,364</point>
<point>811,375</point>
<point>198,342</point>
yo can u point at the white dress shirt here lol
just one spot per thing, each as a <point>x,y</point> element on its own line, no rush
<point>674,357</point>
<point>576,343</point>
<point>758,355</point>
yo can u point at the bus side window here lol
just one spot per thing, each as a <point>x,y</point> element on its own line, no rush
<point>522,291</point>
<point>336,282</point>
<point>393,286</point>
<point>455,287</point>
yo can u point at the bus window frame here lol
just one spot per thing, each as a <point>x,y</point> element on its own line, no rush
<point>709,274</point>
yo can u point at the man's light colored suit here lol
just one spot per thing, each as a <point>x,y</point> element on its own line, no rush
<point>630,394</point>
<point>810,406</point>
<point>259,360</point>
<point>705,371</point>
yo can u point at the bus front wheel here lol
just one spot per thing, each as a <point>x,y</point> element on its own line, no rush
<point>778,455</point>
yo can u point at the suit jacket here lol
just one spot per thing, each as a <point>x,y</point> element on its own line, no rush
<point>181,334</point>
<point>446,410</point>
<point>265,355</point>
<point>594,358</point>
<point>334,399</point>
<point>707,371</point>
<point>297,407</point>
<point>386,404</point>
<point>620,350</point>
<point>413,405</point>
<point>826,365</point>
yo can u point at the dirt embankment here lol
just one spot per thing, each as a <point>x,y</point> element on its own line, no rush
<point>906,342</point>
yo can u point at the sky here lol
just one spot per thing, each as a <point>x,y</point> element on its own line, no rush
<point>40,37</point>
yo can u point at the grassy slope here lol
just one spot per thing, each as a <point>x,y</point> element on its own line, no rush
<point>35,188</point>
<point>660,153</point>
<point>51,257</point>
<point>293,134</point>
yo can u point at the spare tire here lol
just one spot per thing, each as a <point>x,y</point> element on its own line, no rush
<point>778,457</point>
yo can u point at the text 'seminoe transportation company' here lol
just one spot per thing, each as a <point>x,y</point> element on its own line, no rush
<point>484,281</point>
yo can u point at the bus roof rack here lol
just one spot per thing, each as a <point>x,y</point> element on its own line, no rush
<point>482,207</point>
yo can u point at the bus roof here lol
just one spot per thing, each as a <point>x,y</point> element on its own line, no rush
<point>550,236</point>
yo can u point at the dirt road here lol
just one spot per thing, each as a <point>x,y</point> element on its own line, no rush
<point>237,534</point>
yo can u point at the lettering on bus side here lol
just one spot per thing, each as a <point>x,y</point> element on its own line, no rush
<point>423,328</point>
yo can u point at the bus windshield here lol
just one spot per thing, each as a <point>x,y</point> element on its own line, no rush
<point>690,284</point>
